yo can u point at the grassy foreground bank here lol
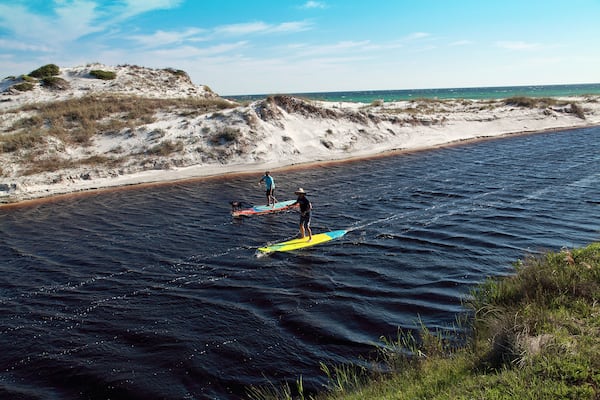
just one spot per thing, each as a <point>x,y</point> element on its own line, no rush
<point>534,335</point>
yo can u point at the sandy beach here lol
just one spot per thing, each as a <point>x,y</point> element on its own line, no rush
<point>181,142</point>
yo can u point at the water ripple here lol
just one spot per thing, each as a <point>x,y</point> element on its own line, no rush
<point>157,292</point>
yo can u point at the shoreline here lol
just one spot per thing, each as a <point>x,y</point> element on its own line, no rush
<point>232,172</point>
<point>95,136</point>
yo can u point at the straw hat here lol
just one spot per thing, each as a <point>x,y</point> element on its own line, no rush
<point>300,191</point>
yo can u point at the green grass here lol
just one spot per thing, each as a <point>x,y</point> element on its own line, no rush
<point>45,71</point>
<point>534,335</point>
<point>104,75</point>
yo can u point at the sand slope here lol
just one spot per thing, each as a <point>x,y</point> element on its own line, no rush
<point>272,133</point>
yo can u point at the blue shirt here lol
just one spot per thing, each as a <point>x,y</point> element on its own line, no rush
<point>269,182</point>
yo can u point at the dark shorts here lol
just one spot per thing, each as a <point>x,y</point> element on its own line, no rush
<point>270,192</point>
<point>305,219</point>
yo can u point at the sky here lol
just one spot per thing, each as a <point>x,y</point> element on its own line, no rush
<point>241,47</point>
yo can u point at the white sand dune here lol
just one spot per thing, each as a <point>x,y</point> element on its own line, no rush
<point>277,132</point>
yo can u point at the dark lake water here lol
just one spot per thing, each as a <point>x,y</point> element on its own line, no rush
<point>158,293</point>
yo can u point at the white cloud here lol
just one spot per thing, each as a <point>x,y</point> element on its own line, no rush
<point>20,46</point>
<point>297,26</point>
<point>461,43</point>
<point>517,45</point>
<point>242,29</point>
<point>417,36</point>
<point>314,4</point>
<point>192,52</point>
<point>303,50</point>
<point>161,38</point>
<point>71,20</point>
<point>262,27</point>
<point>136,7</point>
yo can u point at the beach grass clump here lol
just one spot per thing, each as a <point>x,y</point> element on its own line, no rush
<point>530,335</point>
<point>533,102</point>
<point>54,163</point>
<point>23,86</point>
<point>104,75</point>
<point>225,136</point>
<point>21,140</point>
<point>47,164</point>
<point>177,72</point>
<point>578,110</point>
<point>54,82</point>
<point>45,71</point>
<point>27,78</point>
<point>165,148</point>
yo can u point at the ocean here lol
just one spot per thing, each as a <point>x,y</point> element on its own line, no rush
<point>450,93</point>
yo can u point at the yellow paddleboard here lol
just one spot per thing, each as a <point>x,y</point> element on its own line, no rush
<point>296,244</point>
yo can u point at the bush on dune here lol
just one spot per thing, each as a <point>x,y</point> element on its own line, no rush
<point>104,75</point>
<point>45,71</point>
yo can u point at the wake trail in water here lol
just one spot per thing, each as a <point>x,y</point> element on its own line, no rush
<point>457,204</point>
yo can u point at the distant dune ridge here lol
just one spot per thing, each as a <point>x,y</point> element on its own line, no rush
<point>99,126</point>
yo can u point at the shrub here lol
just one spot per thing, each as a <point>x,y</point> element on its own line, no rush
<point>530,102</point>
<point>225,136</point>
<point>17,141</point>
<point>23,86</point>
<point>104,75</point>
<point>54,82</point>
<point>577,110</point>
<point>177,72</point>
<point>165,148</point>
<point>46,70</point>
<point>50,164</point>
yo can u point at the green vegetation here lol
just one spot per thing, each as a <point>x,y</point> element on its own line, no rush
<point>534,335</point>
<point>54,82</point>
<point>23,86</point>
<point>177,72</point>
<point>27,78</point>
<point>45,71</point>
<point>105,75</point>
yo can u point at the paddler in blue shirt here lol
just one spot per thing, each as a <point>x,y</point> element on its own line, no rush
<point>305,209</point>
<point>270,184</point>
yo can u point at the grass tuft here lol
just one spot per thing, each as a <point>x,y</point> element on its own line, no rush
<point>45,71</point>
<point>104,75</point>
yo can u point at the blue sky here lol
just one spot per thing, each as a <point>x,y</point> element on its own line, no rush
<point>289,46</point>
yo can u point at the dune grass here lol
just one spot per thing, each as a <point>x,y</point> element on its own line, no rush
<point>534,335</point>
<point>76,121</point>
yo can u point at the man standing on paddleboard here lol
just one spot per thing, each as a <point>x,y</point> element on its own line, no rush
<point>305,209</point>
<point>270,184</point>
